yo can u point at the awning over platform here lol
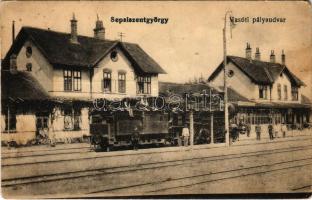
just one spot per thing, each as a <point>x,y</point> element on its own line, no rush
<point>271,105</point>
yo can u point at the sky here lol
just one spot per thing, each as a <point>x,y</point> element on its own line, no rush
<point>191,43</point>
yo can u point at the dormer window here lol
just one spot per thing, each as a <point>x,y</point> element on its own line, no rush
<point>263,92</point>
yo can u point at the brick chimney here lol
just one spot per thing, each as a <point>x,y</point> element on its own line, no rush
<point>257,54</point>
<point>272,57</point>
<point>248,51</point>
<point>73,26</point>
<point>283,58</point>
<point>13,65</point>
<point>99,30</point>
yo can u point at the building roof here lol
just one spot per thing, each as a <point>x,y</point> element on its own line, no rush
<point>21,86</point>
<point>305,100</point>
<point>260,72</point>
<point>234,96</point>
<point>58,50</point>
<point>281,105</point>
<point>166,88</point>
<point>181,88</point>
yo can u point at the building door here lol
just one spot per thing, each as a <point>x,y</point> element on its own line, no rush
<point>42,124</point>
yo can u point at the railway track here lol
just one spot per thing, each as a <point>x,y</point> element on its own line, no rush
<point>65,161</point>
<point>44,152</point>
<point>87,174</point>
<point>87,150</point>
<point>183,182</point>
<point>307,188</point>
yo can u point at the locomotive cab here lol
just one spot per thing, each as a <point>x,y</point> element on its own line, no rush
<point>100,132</point>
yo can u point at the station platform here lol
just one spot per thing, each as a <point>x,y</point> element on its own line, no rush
<point>85,147</point>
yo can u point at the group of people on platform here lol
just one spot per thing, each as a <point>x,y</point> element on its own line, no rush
<point>202,137</point>
<point>273,130</point>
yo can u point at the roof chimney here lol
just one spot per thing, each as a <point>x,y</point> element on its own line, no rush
<point>248,51</point>
<point>13,31</point>
<point>272,57</point>
<point>257,54</point>
<point>73,25</point>
<point>13,65</point>
<point>99,30</point>
<point>283,58</point>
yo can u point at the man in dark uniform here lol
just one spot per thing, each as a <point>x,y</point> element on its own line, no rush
<point>248,129</point>
<point>202,136</point>
<point>234,131</point>
<point>135,138</point>
<point>258,131</point>
<point>270,128</point>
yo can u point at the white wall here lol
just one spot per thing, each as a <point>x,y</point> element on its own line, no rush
<point>58,85</point>
<point>58,132</point>
<point>283,80</point>
<point>239,82</point>
<point>25,129</point>
<point>243,85</point>
<point>155,88</point>
<point>2,123</point>
<point>122,64</point>
<point>41,69</point>
<point>52,79</point>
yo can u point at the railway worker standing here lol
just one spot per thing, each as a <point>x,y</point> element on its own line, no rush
<point>185,135</point>
<point>135,138</point>
<point>234,131</point>
<point>258,131</point>
<point>271,130</point>
<point>203,137</point>
<point>275,130</point>
<point>283,129</point>
<point>248,129</point>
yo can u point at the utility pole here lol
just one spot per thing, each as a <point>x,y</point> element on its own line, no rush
<point>121,35</point>
<point>226,111</point>
<point>211,116</point>
<point>13,31</point>
<point>191,116</point>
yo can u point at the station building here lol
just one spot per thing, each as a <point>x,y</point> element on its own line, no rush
<point>50,79</point>
<point>273,93</point>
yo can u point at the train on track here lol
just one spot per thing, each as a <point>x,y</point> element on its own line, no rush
<point>109,130</point>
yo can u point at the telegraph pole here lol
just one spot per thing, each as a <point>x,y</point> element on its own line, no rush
<point>226,111</point>
<point>121,35</point>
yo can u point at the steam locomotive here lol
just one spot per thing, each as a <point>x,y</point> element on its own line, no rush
<point>109,130</point>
